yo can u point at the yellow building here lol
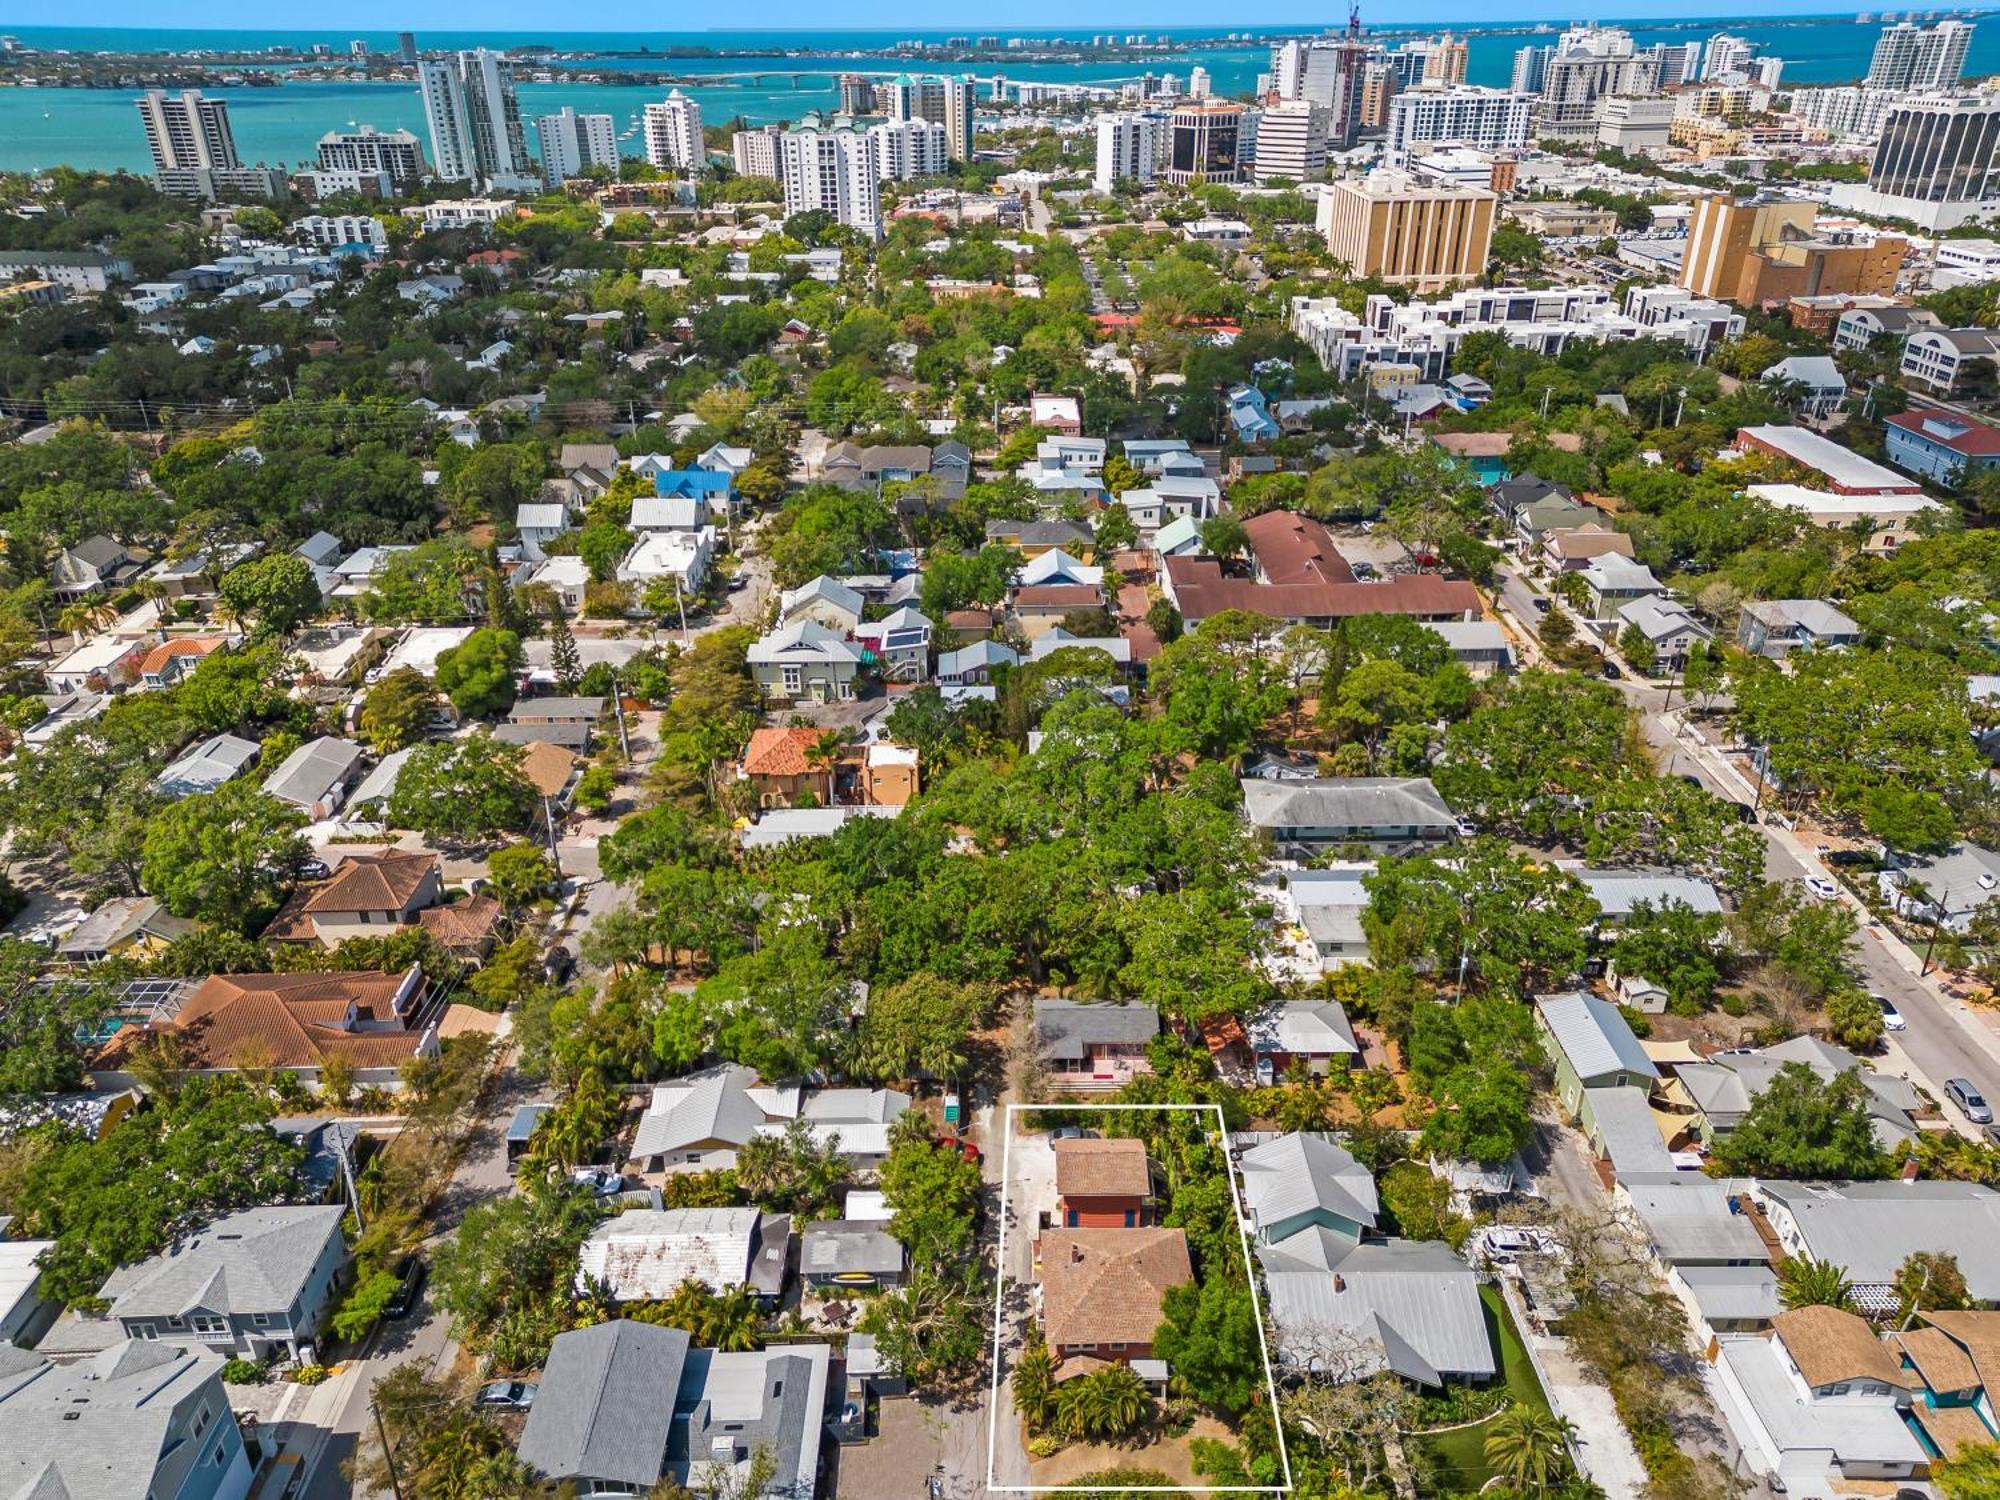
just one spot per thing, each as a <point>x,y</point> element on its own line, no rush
<point>1759,251</point>
<point>1427,235</point>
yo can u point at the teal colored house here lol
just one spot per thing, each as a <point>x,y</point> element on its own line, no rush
<point>1954,1358</point>
<point>1301,1182</point>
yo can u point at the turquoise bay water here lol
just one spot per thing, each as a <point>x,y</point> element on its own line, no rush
<point>99,128</point>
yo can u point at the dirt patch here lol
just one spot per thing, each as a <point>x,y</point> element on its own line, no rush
<point>1160,1451</point>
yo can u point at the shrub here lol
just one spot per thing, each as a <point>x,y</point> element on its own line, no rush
<point>244,1372</point>
<point>310,1374</point>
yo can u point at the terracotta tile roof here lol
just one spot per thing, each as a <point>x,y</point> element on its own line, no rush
<point>1105,1286</point>
<point>282,1021</point>
<point>1201,590</point>
<point>548,767</point>
<point>371,882</point>
<point>780,752</point>
<point>1291,548</point>
<point>462,925</point>
<point>188,645</point>
<point>1102,1169</point>
<point>1829,1346</point>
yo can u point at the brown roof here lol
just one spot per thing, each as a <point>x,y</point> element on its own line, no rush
<point>372,882</point>
<point>462,925</point>
<point>548,767</point>
<point>1952,1428</point>
<point>1939,1359</point>
<point>282,1021</point>
<point>1978,1333</point>
<point>467,1020</point>
<point>780,752</point>
<point>1291,548</point>
<point>1829,1346</point>
<point>1102,1169</point>
<point>1588,541</point>
<point>1105,1286</point>
<point>1474,444</point>
<point>1059,596</point>
<point>1201,590</point>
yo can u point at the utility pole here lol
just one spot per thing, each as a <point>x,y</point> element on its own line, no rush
<point>388,1452</point>
<point>618,707</point>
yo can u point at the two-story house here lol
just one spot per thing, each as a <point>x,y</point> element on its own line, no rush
<point>1778,627</point>
<point>1592,1049</point>
<point>95,565</point>
<point>253,1284</point>
<point>1103,1184</point>
<point>805,662</point>
<point>1104,1290</point>
<point>366,895</point>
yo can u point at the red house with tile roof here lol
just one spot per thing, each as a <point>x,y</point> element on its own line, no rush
<point>1103,1184</point>
<point>1103,1290</point>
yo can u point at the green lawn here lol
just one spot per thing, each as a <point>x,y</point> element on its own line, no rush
<point>1460,1455</point>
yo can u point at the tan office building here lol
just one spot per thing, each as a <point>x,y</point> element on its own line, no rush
<point>1411,232</point>
<point>1760,252</point>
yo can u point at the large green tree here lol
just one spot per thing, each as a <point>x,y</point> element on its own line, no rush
<point>472,788</point>
<point>225,856</point>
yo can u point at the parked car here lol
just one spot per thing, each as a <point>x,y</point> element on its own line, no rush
<point>410,1274</point>
<point>599,1180</point>
<point>1611,671</point>
<point>1892,1019</point>
<point>1072,1133</point>
<point>1267,1071</point>
<point>1823,888</point>
<point>512,1395</point>
<point>559,965</point>
<point>313,869</point>
<point>1963,1093</point>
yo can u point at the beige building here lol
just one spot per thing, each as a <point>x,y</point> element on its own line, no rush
<point>1447,59</point>
<point>1428,235</point>
<point>1759,251</point>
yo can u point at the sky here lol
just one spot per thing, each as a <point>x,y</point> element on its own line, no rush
<point>1014,15</point>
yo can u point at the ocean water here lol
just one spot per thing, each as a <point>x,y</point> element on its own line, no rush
<point>99,128</point>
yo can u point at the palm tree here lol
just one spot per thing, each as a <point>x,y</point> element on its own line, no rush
<point>1034,1385</point>
<point>1805,1282</point>
<point>1529,1446</point>
<point>821,757</point>
<point>85,615</point>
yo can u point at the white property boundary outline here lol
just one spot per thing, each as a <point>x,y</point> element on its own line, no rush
<point>999,1320</point>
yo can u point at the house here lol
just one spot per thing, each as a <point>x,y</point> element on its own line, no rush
<point>1508,495</point>
<point>1613,582</point>
<point>1103,1183</point>
<point>780,825</point>
<point>1955,1357</point>
<point>1694,1222</point>
<point>100,666</point>
<point>539,524</point>
<point>1032,538</point>
<point>1946,447</point>
<point>1178,538</point>
<point>1859,327</point>
<point>1250,416</point>
<point>1778,627</point>
<point>1480,646</point>
<point>645,1254</point>
<point>1569,548</point>
<point>1094,1047</point>
<point>726,458</point>
<point>197,575</point>
<point>372,1019</point>
<point>1060,415</point>
<point>682,558</point>
<point>131,1422</point>
<point>901,644</point>
<point>1871,1228</point>
<point>1618,892</point>
<point>712,490</point>
<point>1721,1088</point>
<point>1326,906</point>
<point>824,601</point>
<point>1344,1299</point>
<point>1172,497</point>
<point>601,458</point>
<point>1156,456</point>
<point>1331,810</point>
<point>1670,630</point>
<point>839,1255</point>
<point>1955,883</point>
<point>170,661</point>
<point>1938,358</point>
<point>314,776</point>
<point>1536,520</point>
<point>1312,1034</point>
<point>698,1123</point>
<point>1103,1290</point>
<point>1819,1404</point>
<point>254,1284</point>
<point>567,577</point>
<point>853,467</point>
<point>1811,384</point>
<point>366,895</point>
<point>558,709</point>
<point>626,1408</point>
<point>1840,469</point>
<point>467,929</point>
<point>805,661</point>
<point>1198,588</point>
<point>1591,1047</point>
<point>95,565</point>
<point>134,927</point>
<point>782,764</point>
<point>972,665</point>
<point>1078,458</point>
<point>1040,606</point>
<point>1057,567</point>
<point>25,1310</point>
<point>890,774</point>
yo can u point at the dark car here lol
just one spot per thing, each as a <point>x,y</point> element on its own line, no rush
<point>1611,670</point>
<point>559,965</point>
<point>313,869</point>
<point>410,1274</point>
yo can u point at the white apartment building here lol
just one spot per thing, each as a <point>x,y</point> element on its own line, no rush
<point>832,168</point>
<point>571,142</point>
<point>754,153</point>
<point>194,150</point>
<point>474,117</point>
<point>1590,64</point>
<point>1850,112</point>
<point>1290,144</point>
<point>1129,146</point>
<point>331,230</point>
<point>908,149</point>
<point>941,99</point>
<point>673,134</point>
<point>1633,123</point>
<point>1727,56</point>
<point>1435,115</point>
<point>463,213</point>
<point>1677,313</point>
<point>371,151</point>
<point>1966,263</point>
<point>1917,57</point>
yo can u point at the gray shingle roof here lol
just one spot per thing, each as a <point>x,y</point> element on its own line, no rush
<point>835,1247</point>
<point>1347,802</point>
<point>1593,1036</point>
<point>96,1430</point>
<point>252,1262</point>
<point>605,1408</point>
<point>1068,1027</point>
<point>313,769</point>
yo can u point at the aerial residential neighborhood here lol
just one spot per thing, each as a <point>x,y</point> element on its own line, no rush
<point>1076,763</point>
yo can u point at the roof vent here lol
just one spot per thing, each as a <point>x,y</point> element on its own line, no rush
<point>1987,882</point>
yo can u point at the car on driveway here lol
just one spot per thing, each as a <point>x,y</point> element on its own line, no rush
<point>1965,1094</point>
<point>598,1180</point>
<point>509,1395</point>
<point>1072,1133</point>
<point>1892,1019</point>
<point>1823,888</point>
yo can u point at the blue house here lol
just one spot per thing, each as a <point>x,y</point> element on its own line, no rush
<point>1945,447</point>
<point>1250,416</point>
<point>714,488</point>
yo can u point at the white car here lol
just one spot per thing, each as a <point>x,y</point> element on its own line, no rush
<point>1823,888</point>
<point>1892,1019</point>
